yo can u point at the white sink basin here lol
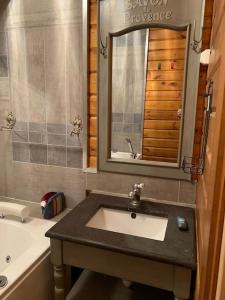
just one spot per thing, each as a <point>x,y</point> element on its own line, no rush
<point>147,226</point>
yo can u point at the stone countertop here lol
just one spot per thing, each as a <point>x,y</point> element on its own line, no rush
<point>178,248</point>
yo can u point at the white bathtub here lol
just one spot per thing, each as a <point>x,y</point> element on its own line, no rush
<point>25,244</point>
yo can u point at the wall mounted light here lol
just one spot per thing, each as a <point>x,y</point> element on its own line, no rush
<point>205,56</point>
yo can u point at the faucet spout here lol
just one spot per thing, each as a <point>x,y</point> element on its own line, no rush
<point>135,195</point>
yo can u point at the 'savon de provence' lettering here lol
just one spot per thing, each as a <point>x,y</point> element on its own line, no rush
<point>132,4</point>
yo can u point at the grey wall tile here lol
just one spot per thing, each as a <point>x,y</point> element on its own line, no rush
<point>36,73</point>
<point>38,154</point>
<point>137,118</point>
<point>137,128</point>
<point>39,13</point>
<point>5,159</point>
<point>18,74</point>
<point>117,127</point>
<point>57,139</point>
<point>43,179</point>
<point>4,88</point>
<point>21,152</point>
<point>74,67</point>
<point>156,188</point>
<point>57,155</point>
<point>4,109</point>
<point>74,158</point>
<point>35,137</point>
<point>56,128</point>
<point>129,118</point>
<point>128,128</point>
<point>3,66</point>
<point>20,136</point>
<point>21,126</point>
<point>3,43</point>
<point>187,192</point>
<point>35,59</point>
<point>3,55</point>
<point>55,75</point>
<point>117,117</point>
<point>40,127</point>
<point>74,141</point>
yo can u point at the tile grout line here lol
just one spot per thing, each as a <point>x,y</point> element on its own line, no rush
<point>45,94</point>
<point>66,92</point>
<point>26,39</point>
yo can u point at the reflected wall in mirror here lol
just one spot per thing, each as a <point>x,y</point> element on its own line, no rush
<point>147,94</point>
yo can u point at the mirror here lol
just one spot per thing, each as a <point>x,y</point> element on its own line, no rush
<point>148,72</point>
<point>147,94</point>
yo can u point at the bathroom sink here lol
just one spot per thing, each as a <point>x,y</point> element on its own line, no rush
<point>142,225</point>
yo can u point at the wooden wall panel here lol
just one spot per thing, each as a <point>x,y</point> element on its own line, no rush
<point>203,77</point>
<point>220,293</point>
<point>210,192</point>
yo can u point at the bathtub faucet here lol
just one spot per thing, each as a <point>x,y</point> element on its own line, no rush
<point>13,209</point>
<point>132,153</point>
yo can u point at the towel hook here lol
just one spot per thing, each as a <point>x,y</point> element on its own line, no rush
<point>77,126</point>
<point>196,44</point>
<point>10,122</point>
<point>103,48</point>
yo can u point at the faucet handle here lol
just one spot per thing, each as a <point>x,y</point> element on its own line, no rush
<point>138,186</point>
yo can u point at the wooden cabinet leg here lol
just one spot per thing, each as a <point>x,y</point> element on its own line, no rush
<point>182,283</point>
<point>59,277</point>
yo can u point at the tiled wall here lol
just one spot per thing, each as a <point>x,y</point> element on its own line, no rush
<point>3,56</point>
<point>44,108</point>
<point>45,72</point>
<point>161,189</point>
<point>48,144</point>
<point>41,82</point>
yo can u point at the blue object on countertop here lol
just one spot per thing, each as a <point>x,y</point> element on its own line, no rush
<point>182,224</point>
<point>52,204</point>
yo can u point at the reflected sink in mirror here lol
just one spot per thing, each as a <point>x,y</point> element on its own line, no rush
<point>124,155</point>
<point>118,154</point>
<point>146,226</point>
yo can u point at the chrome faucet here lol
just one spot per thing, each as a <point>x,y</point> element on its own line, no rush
<point>135,195</point>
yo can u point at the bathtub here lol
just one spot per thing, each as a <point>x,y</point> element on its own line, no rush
<point>22,247</point>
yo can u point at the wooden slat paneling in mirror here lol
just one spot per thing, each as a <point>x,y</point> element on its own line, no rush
<point>163,94</point>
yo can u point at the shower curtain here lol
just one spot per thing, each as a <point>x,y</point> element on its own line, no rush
<point>129,66</point>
